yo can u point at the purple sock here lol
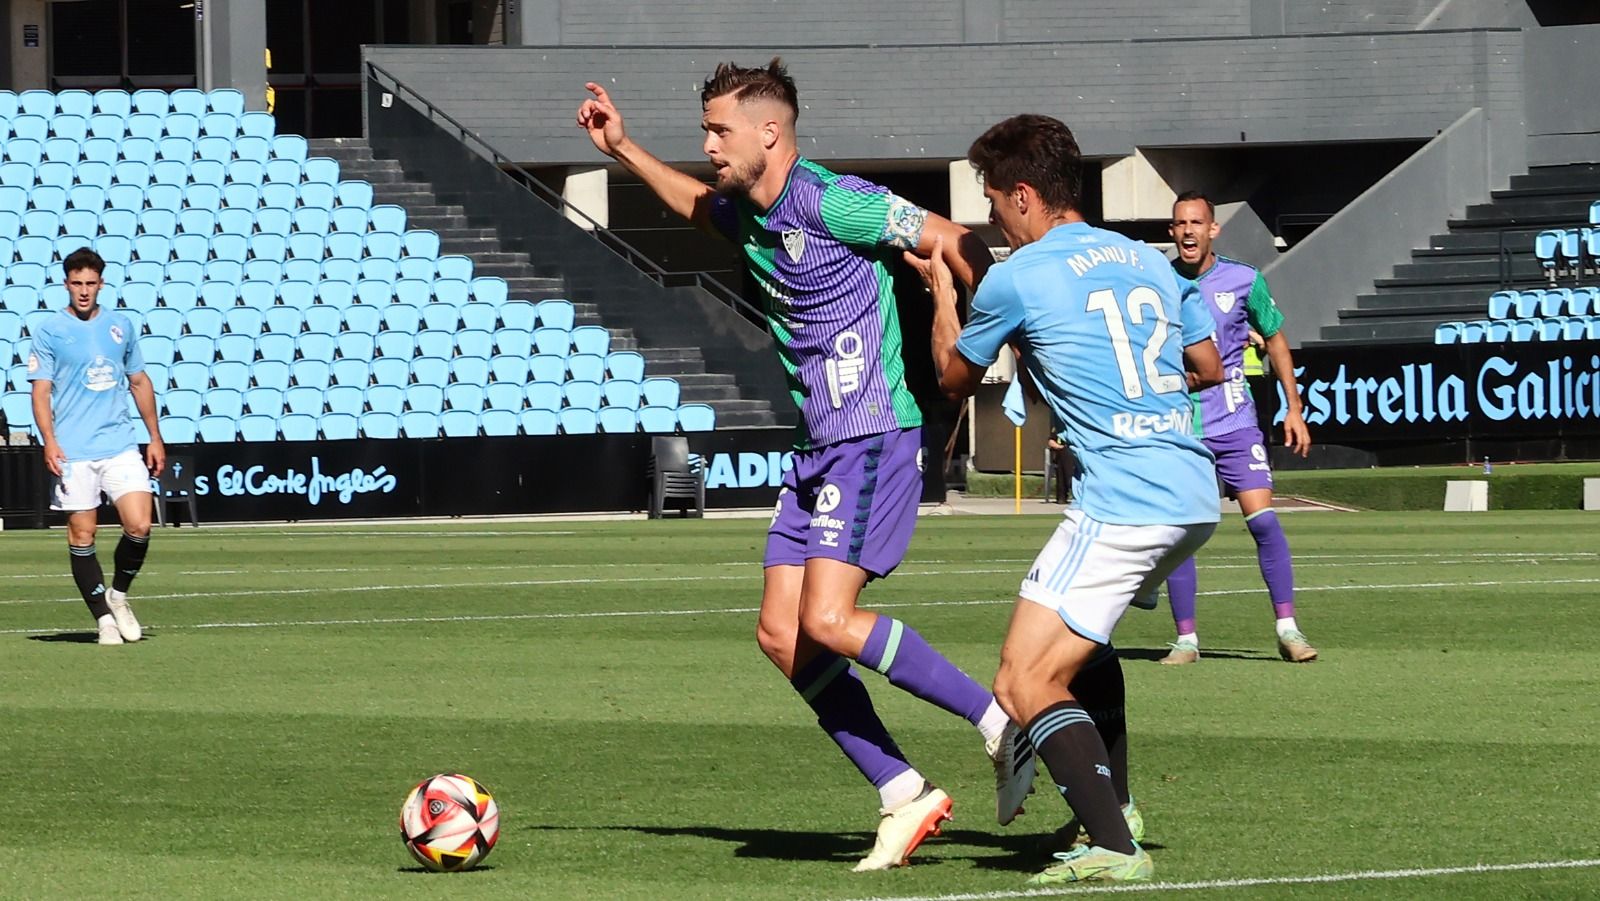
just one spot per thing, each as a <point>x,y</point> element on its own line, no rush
<point>898,652</point>
<point>844,711</point>
<point>1182,587</point>
<point>1272,548</point>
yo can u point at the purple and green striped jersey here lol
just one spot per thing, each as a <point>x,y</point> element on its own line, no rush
<point>822,256</point>
<point>1239,301</point>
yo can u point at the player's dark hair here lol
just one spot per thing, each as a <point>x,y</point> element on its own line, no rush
<point>83,258</point>
<point>1038,150</point>
<point>771,82</point>
<point>1187,196</point>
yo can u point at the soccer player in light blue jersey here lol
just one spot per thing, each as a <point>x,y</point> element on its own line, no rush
<point>820,246</point>
<point>1106,331</point>
<point>81,363</point>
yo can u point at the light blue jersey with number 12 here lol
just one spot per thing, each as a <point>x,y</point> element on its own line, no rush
<point>1102,322</point>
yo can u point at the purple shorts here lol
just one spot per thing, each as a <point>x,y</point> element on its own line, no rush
<point>853,501</point>
<point>1241,460</point>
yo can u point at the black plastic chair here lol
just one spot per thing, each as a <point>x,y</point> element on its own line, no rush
<point>175,485</point>
<point>676,475</point>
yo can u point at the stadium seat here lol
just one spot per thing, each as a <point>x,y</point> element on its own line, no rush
<point>387,217</point>
<point>262,126</point>
<point>470,369</point>
<point>205,321</point>
<point>354,373</point>
<point>660,392</point>
<point>1524,329</point>
<point>258,427</point>
<point>586,367</point>
<point>382,246</point>
<point>547,368</point>
<point>316,194</point>
<point>274,373</point>
<point>554,341</point>
<point>316,346</point>
<point>515,341</point>
<point>309,372</point>
<point>435,343</point>
<point>217,429</point>
<point>455,267</point>
<point>234,374</point>
<point>583,395</point>
<point>696,418</point>
<point>503,396</point>
<point>227,402</point>
<point>113,102</point>
<point>191,376</point>
<point>539,422</point>
<point>363,318</point>
<point>355,345</point>
<point>244,321</point>
<point>658,419</point>
<point>498,423</point>
<point>215,148</point>
<point>176,430</point>
<point>419,424</point>
<point>591,339</point>
<point>349,219</point>
<point>1552,329</point>
<point>356,194</point>
<point>425,396</point>
<point>430,371</point>
<point>188,102</point>
<point>1447,333</point>
<point>518,314</point>
<point>1585,301</point>
<point>1501,304</point>
<point>384,398</point>
<point>380,425</point>
<point>459,423</point>
<point>490,290</point>
<point>307,400</point>
<point>578,421</point>
<point>1555,302</point>
<point>509,368</point>
<point>625,364</point>
<point>412,267</point>
<point>339,426</point>
<point>320,170</point>
<point>471,342</point>
<point>182,402</point>
<point>395,344</point>
<point>618,419</point>
<point>622,393</point>
<point>298,427</point>
<point>423,244</point>
<point>325,319</point>
<point>544,395</point>
<point>479,317</point>
<point>463,396</point>
<point>343,246</point>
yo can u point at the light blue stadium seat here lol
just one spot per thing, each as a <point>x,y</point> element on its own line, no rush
<point>273,373</point>
<point>410,267</point>
<point>18,299</point>
<point>188,101</point>
<point>257,294</point>
<point>355,373</point>
<point>320,170</point>
<point>382,245</point>
<point>75,102</point>
<point>188,272</point>
<point>1524,329</point>
<point>96,172</point>
<point>166,198</point>
<point>144,126</point>
<point>1585,301</point>
<point>1575,328</point>
<point>696,417</point>
<point>219,294</point>
<point>37,103</point>
<point>214,148</point>
<point>591,339</point>
<point>478,316</point>
<point>113,102</point>
<point>230,248</point>
<point>425,396</point>
<point>316,194</point>
<point>247,173</point>
<point>517,314</point>
<point>310,372</point>
<point>177,149</point>
<point>191,248</point>
<point>276,346</point>
<point>1555,302</point>
<point>1552,329</point>
<point>27,272</point>
<point>413,292</point>
<point>27,152</point>
<point>217,429</point>
<point>387,217</point>
<point>440,317</point>
<point>201,220</point>
<point>379,269</point>
<point>618,420</point>
<point>459,423</point>
<point>391,370</point>
<point>204,321</point>
<point>111,129</point>
<point>305,245</point>
<point>489,289</point>
<point>336,294</point>
<point>317,346</point>
<point>454,266</point>
<point>319,318</point>
<point>451,291</point>
<point>339,426</point>
<point>263,126</point>
<point>498,423</point>
<point>62,155</point>
<point>547,368</point>
<point>357,194</point>
<point>474,370</point>
<point>227,402</point>
<point>153,248</point>
<point>660,392</point>
<point>582,394</point>
<point>341,270</point>
<point>298,427</point>
<point>544,395</point>
<point>244,321</point>
<point>578,421</point>
<point>182,402</point>
<point>39,224</point>
<point>386,398</point>
<point>176,430</point>
<point>474,343</point>
<point>658,420</point>
<point>463,396</point>
<point>308,400</point>
<point>436,343</point>
<point>401,317</point>
<point>224,126</point>
<point>343,245</point>
<point>114,249</point>
<point>9,106</point>
<point>308,271</point>
<point>355,345</point>
<point>363,318</point>
<point>1447,333</point>
<point>185,376</point>
<point>625,364</point>
<point>430,371</point>
<point>374,293</point>
<point>503,395</point>
<point>555,313</point>
<point>397,345</point>
<point>71,128</point>
<point>419,424</point>
<point>286,197</point>
<point>554,341</point>
<point>234,374</point>
<point>242,196</point>
<point>268,249</point>
<point>424,244</point>
<point>349,219</point>
<point>29,127</point>
<point>1501,304</point>
<point>297,294</point>
<point>18,175</point>
<point>539,422</point>
<point>511,369</point>
<point>623,393</point>
<point>196,348</point>
<point>586,367</point>
<point>380,425</point>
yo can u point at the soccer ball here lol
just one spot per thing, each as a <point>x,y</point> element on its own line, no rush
<point>449,822</point>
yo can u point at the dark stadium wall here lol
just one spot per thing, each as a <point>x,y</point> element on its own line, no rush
<point>1563,66</point>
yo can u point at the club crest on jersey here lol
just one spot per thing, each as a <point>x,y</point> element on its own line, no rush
<point>116,334</point>
<point>1224,300</point>
<point>794,243</point>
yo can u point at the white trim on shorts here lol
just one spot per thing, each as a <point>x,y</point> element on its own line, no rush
<point>81,482</point>
<point>1090,571</point>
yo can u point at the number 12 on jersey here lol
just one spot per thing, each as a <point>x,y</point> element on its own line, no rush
<point>1141,299</point>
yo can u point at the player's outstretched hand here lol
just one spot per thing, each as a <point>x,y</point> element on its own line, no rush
<point>54,458</point>
<point>155,457</point>
<point>599,117</point>
<point>1296,437</point>
<point>934,271</point>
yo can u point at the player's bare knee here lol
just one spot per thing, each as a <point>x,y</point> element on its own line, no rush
<point>825,624</point>
<point>137,529</point>
<point>777,642</point>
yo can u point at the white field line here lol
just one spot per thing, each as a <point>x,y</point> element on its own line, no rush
<point>1210,884</point>
<point>706,611</point>
<point>1306,561</point>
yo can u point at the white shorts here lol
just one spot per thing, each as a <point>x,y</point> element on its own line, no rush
<point>1090,571</point>
<point>82,481</point>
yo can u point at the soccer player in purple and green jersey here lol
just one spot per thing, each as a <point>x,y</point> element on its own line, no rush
<point>1225,420</point>
<point>820,245</point>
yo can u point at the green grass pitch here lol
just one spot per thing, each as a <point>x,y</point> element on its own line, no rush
<point>603,680</point>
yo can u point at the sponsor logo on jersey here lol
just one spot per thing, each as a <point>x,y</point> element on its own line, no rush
<point>844,368</point>
<point>33,363</point>
<point>794,243</point>
<point>1143,425</point>
<point>828,498</point>
<point>101,375</point>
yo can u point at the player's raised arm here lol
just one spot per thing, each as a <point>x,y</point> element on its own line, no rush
<point>964,252</point>
<point>682,193</point>
<point>958,376</point>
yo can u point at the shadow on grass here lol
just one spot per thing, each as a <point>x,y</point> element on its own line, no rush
<point>77,637</point>
<point>1019,852</point>
<point>1205,654</point>
<point>426,871</point>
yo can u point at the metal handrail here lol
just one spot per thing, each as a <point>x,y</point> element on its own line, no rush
<point>607,238</point>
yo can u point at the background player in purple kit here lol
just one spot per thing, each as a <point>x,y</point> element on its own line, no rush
<point>1226,421</point>
<point>821,246</point>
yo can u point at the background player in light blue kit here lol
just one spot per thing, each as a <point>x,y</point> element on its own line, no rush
<point>82,361</point>
<point>1226,421</point>
<point>1105,329</point>
<point>820,246</point>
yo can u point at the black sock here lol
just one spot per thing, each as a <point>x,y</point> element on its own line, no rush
<point>91,581</point>
<point>129,557</point>
<point>1100,689</point>
<point>1066,740</point>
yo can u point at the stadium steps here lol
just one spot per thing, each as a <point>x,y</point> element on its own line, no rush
<point>1452,277</point>
<point>462,231</point>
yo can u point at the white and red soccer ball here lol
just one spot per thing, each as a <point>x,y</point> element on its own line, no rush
<point>449,822</point>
